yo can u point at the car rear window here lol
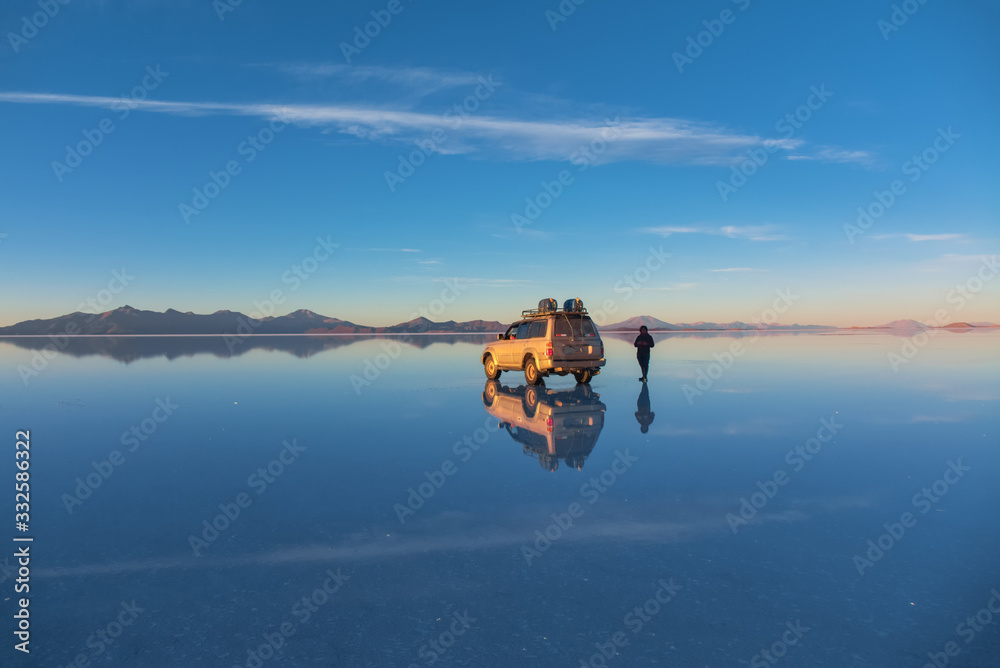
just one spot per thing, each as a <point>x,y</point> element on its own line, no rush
<point>538,329</point>
<point>575,326</point>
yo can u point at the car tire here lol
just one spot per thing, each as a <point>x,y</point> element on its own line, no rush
<point>490,393</point>
<point>530,401</point>
<point>491,368</point>
<point>532,375</point>
<point>583,376</point>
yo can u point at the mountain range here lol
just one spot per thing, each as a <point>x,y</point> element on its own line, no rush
<point>657,325</point>
<point>127,321</point>
<point>913,324</point>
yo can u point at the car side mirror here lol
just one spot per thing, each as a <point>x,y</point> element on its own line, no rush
<point>499,337</point>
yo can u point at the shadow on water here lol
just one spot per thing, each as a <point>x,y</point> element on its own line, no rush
<point>550,425</point>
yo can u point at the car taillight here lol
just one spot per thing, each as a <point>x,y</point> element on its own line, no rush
<point>548,423</point>
<point>548,351</point>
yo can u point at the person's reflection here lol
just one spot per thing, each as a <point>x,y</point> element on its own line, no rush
<point>642,413</point>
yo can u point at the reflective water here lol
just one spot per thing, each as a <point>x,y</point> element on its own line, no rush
<point>376,502</point>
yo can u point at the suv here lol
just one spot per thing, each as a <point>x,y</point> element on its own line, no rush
<point>548,340</point>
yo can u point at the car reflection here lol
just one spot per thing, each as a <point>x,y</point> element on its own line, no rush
<point>549,424</point>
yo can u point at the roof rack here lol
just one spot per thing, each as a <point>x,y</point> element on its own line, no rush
<point>549,306</point>
<point>537,312</point>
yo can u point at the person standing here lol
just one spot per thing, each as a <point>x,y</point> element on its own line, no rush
<point>643,343</point>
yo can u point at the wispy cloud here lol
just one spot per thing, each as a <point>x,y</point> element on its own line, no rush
<point>386,250</point>
<point>936,418</point>
<point>464,281</point>
<point>524,233</point>
<point>444,533</point>
<point>492,282</point>
<point>934,237</point>
<point>658,140</point>
<point>676,287</point>
<point>751,232</point>
<point>422,80</point>
<point>667,231</point>
<point>954,261</point>
<point>923,237</point>
<point>829,154</point>
<point>755,426</point>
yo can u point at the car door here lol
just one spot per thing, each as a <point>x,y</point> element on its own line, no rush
<point>518,346</point>
<point>505,348</point>
<point>502,347</point>
<point>534,343</point>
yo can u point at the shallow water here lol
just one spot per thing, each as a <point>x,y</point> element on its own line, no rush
<point>455,541</point>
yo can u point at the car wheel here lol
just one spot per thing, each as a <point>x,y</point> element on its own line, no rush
<point>583,376</point>
<point>492,370</point>
<point>531,373</point>
<point>530,401</point>
<point>490,393</point>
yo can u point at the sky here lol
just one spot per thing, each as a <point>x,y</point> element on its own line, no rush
<point>691,161</point>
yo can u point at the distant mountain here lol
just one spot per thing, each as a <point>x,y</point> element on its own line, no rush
<point>302,321</point>
<point>131,321</point>
<point>638,321</point>
<point>900,324</point>
<point>127,320</point>
<point>915,325</point>
<point>656,325</point>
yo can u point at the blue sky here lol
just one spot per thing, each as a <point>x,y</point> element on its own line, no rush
<point>642,140</point>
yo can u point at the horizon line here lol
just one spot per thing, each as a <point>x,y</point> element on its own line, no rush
<point>419,317</point>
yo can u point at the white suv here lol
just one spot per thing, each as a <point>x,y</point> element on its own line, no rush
<point>548,340</point>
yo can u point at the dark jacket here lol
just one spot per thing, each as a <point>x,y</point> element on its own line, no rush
<point>643,343</point>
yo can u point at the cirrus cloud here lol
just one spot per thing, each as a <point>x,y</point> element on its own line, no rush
<point>656,140</point>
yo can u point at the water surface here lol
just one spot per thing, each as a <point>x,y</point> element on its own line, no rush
<point>450,527</point>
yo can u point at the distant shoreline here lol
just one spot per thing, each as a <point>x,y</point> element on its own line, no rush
<point>858,330</point>
<point>240,336</point>
<point>129,321</point>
